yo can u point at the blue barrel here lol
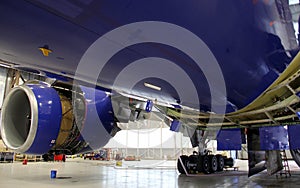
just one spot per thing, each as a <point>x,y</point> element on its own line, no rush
<point>53,174</point>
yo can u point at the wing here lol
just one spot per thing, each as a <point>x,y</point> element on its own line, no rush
<point>277,105</point>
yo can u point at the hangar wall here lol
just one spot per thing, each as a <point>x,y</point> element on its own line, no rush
<point>155,142</point>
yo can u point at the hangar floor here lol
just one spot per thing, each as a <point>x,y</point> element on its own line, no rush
<point>80,173</point>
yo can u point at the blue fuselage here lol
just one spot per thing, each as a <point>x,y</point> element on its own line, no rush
<point>249,39</point>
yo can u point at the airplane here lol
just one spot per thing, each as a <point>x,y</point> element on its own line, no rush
<point>213,70</point>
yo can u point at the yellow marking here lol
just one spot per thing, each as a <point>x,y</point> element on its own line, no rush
<point>45,51</point>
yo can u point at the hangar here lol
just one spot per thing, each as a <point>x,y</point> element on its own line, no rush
<point>158,93</point>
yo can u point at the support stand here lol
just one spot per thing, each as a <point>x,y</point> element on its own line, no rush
<point>286,169</point>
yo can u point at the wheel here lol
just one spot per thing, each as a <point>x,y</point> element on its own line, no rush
<point>213,165</point>
<point>220,161</point>
<point>205,164</point>
<point>184,160</point>
<point>193,166</point>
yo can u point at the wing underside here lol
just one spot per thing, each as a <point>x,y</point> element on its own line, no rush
<point>277,105</point>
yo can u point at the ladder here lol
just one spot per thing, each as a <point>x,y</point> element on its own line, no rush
<point>286,169</point>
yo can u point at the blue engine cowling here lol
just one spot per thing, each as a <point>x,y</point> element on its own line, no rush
<point>33,119</point>
<point>30,118</point>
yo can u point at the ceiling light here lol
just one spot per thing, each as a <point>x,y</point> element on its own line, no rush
<point>4,65</point>
<point>152,86</point>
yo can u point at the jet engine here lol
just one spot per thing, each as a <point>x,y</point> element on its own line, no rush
<point>39,118</point>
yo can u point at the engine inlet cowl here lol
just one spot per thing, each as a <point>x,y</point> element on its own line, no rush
<point>30,118</point>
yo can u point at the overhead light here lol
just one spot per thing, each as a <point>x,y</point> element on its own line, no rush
<point>4,65</point>
<point>152,86</point>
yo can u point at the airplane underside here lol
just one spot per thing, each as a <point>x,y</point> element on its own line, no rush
<point>214,70</point>
<point>64,118</point>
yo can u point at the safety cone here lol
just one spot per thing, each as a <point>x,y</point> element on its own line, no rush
<point>25,162</point>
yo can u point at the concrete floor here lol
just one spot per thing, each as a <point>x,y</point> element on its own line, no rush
<point>80,173</point>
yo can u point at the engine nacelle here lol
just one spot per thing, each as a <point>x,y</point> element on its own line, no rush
<point>30,118</point>
<point>38,118</point>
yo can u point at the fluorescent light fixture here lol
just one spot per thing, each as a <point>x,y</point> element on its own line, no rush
<point>152,86</point>
<point>4,65</point>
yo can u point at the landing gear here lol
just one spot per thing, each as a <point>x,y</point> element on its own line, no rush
<point>182,159</point>
<point>206,164</point>
<point>213,166</point>
<point>202,161</point>
<point>220,162</point>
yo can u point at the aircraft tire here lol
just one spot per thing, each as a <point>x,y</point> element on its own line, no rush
<point>220,160</point>
<point>205,164</point>
<point>184,160</point>
<point>213,163</point>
